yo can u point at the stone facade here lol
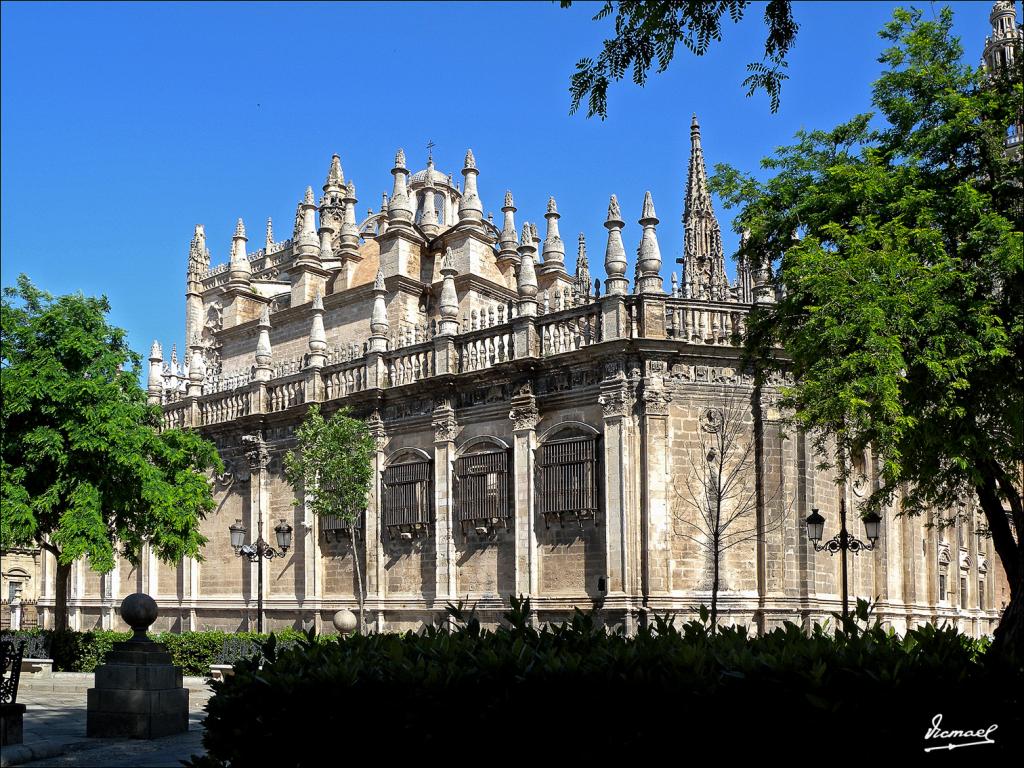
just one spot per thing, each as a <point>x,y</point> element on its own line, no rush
<point>459,339</point>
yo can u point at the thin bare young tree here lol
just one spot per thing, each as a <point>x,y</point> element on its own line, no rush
<point>718,507</point>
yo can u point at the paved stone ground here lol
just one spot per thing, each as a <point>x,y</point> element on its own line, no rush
<point>55,736</point>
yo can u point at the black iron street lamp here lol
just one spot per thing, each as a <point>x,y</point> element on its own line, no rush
<point>843,541</point>
<point>257,551</point>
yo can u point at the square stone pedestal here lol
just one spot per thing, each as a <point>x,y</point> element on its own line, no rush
<point>138,694</point>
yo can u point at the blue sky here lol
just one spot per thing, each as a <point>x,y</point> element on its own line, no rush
<point>125,125</point>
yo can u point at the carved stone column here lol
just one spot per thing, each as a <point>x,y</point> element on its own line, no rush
<point>445,430</point>
<point>615,403</point>
<point>524,416</point>
<point>654,476</point>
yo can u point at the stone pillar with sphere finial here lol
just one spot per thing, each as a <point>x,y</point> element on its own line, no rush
<point>139,692</point>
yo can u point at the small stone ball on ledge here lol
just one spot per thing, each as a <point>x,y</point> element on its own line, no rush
<point>139,611</point>
<point>345,621</point>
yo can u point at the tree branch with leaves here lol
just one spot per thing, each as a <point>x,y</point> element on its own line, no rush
<point>331,467</point>
<point>85,471</point>
<point>646,33</point>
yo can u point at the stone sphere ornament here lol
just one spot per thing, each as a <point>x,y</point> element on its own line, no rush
<point>139,611</point>
<point>345,621</point>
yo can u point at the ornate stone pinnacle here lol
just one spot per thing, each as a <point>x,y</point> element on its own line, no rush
<point>400,158</point>
<point>527,236</point>
<point>508,199</point>
<point>240,229</point>
<point>334,175</point>
<point>470,160</point>
<point>265,316</point>
<point>648,213</point>
<point>614,214</point>
<point>155,352</point>
<point>308,199</point>
<point>270,231</point>
<point>318,300</point>
<point>552,206</point>
<point>378,284</point>
<point>448,260</point>
<point>350,191</point>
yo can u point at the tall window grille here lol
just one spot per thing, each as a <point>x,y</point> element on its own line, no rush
<point>482,498</point>
<point>338,527</point>
<point>567,479</point>
<point>407,507</point>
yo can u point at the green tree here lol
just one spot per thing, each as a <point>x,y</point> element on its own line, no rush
<point>84,469</point>
<point>900,236</point>
<point>645,32</point>
<point>332,466</point>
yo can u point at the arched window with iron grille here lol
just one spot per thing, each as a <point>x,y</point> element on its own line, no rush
<point>567,476</point>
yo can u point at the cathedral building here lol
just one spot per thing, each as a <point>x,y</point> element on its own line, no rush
<point>537,431</point>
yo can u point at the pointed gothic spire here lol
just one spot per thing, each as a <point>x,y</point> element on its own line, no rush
<point>239,269</point>
<point>400,210</point>
<point>270,234</point>
<point>509,240</point>
<point>615,252</point>
<point>649,254</point>
<point>582,281</point>
<point>335,177</point>
<point>554,249</point>
<point>470,207</point>
<point>198,254</point>
<point>704,260</point>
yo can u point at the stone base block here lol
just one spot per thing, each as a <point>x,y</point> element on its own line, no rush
<point>11,723</point>
<point>136,713</point>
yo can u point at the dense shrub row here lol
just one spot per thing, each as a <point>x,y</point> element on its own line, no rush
<point>574,690</point>
<point>194,652</point>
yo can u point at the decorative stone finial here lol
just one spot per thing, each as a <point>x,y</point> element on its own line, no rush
<point>198,254</point>
<point>449,307</point>
<point>615,252</point>
<point>309,199</point>
<point>270,233</point>
<point>527,282</point>
<point>400,211</point>
<point>335,178</point>
<point>470,207</point>
<point>139,611</point>
<point>239,269</point>
<point>582,282</point>
<point>317,335</point>
<point>554,249</point>
<point>379,324</point>
<point>264,353</point>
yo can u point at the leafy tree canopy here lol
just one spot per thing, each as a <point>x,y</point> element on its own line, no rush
<point>900,234</point>
<point>334,457</point>
<point>645,32</point>
<point>85,470</point>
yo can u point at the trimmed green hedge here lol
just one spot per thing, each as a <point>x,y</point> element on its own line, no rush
<point>575,693</point>
<point>194,652</point>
